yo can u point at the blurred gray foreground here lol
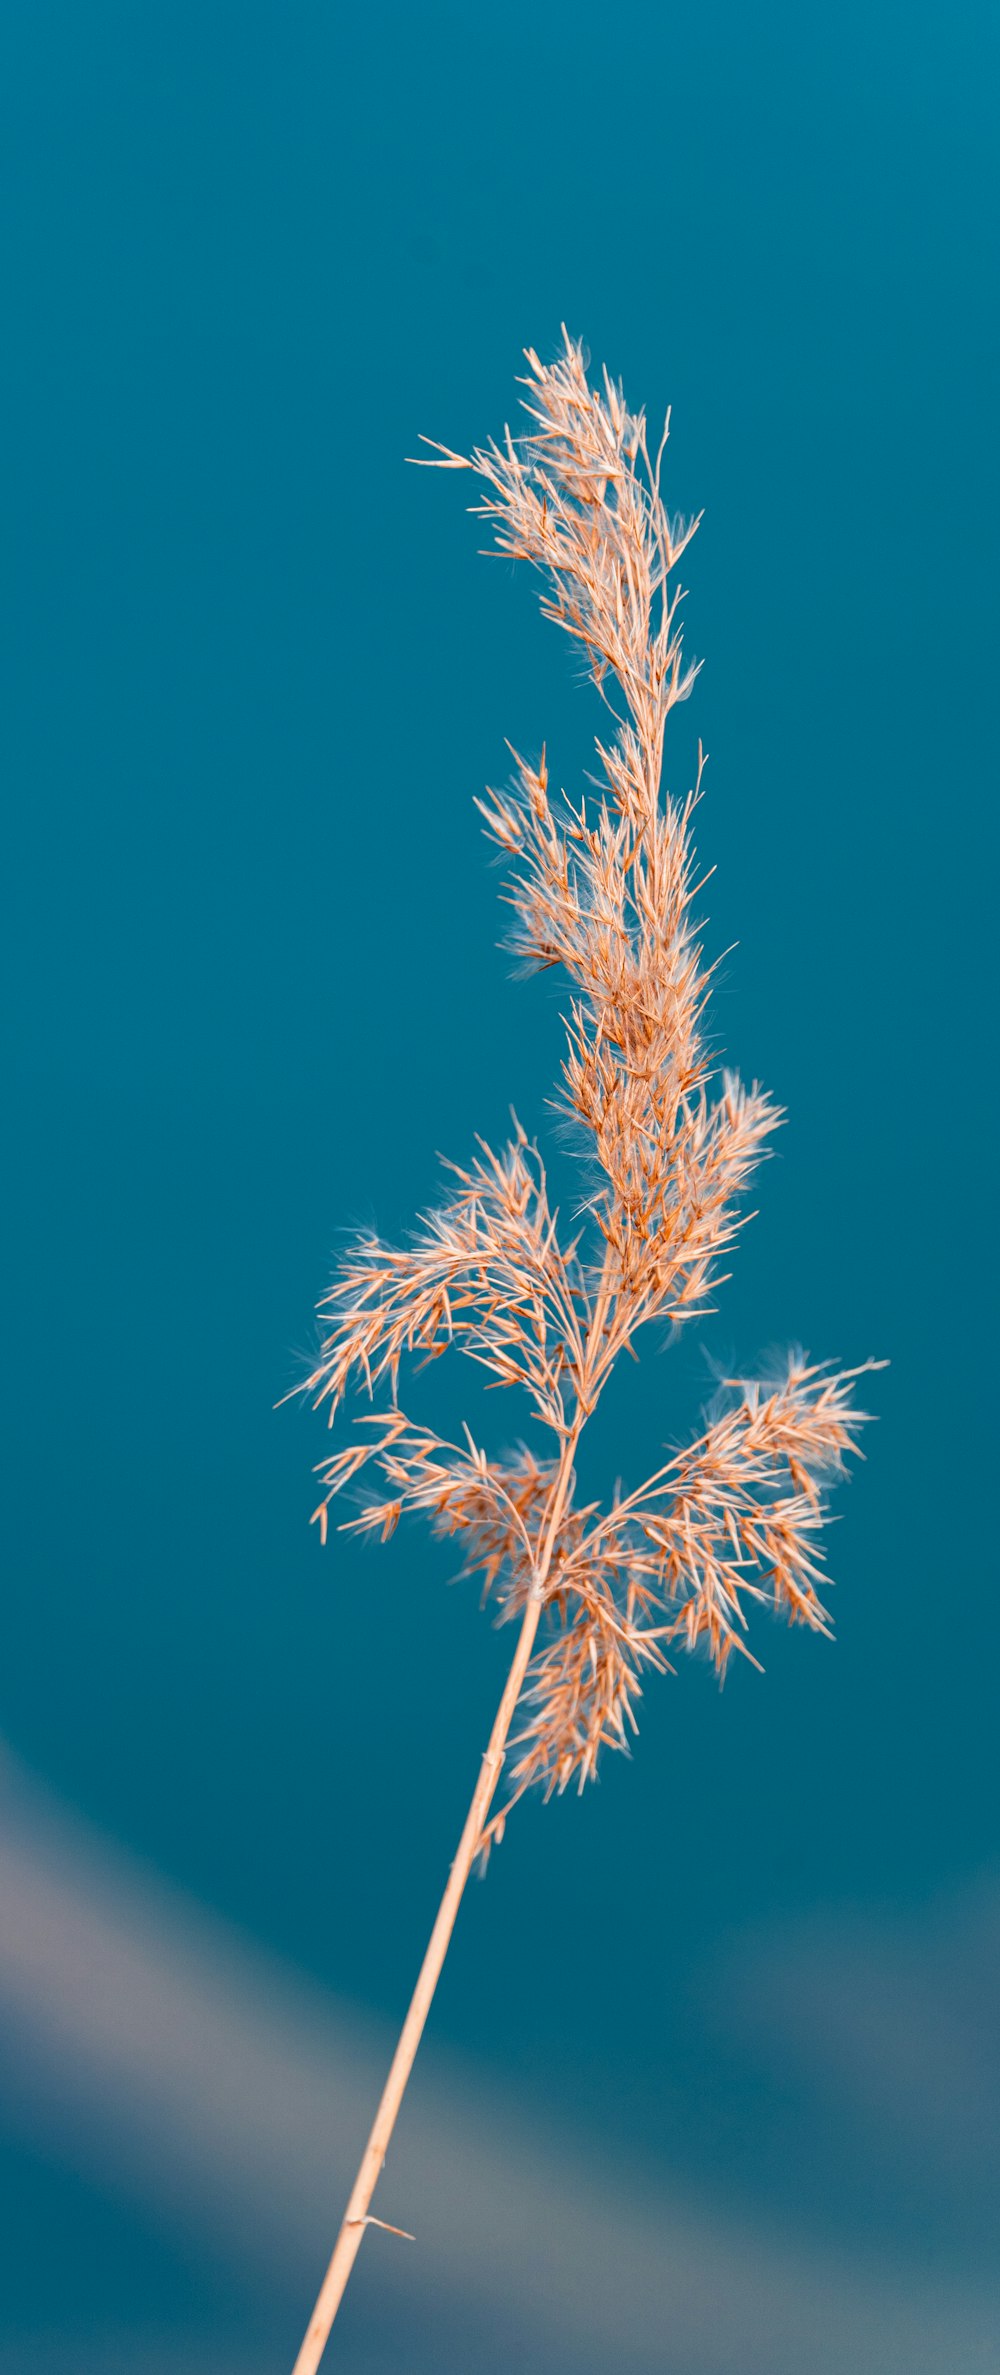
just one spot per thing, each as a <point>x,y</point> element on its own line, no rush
<point>151,2051</point>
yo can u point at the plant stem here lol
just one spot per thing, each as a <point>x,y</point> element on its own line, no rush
<point>345,2250</point>
<point>355,2216</point>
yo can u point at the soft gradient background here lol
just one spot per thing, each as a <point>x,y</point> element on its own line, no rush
<point>712,2084</point>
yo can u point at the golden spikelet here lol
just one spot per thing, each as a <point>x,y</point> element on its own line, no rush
<point>606,892</point>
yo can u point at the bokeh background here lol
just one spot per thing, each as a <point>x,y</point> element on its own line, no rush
<point>712,2081</point>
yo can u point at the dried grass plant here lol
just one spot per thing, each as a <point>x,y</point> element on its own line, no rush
<point>599,1596</point>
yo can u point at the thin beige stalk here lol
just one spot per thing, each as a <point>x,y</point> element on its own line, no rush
<point>355,2218</point>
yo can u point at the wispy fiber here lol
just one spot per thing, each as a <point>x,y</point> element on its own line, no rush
<point>605,889</point>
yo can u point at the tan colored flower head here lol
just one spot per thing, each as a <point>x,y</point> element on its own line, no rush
<point>606,891</point>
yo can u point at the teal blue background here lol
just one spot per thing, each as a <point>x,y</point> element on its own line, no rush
<point>254,672</point>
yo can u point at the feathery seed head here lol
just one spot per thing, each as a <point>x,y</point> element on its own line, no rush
<point>606,891</point>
